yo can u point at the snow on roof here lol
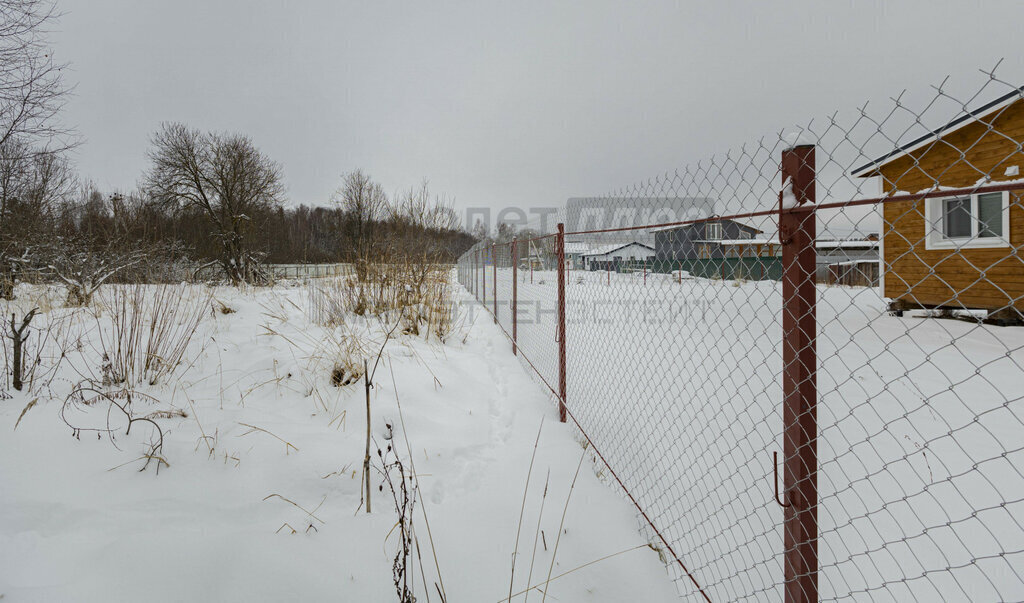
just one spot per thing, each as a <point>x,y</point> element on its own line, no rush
<point>606,249</point>
<point>854,244</point>
<point>968,118</point>
<point>576,247</point>
<point>848,244</point>
<point>743,241</point>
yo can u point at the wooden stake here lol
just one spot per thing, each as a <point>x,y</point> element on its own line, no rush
<point>366,459</point>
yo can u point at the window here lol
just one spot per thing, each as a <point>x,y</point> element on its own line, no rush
<point>975,221</point>
<point>956,217</point>
<point>990,219</point>
<point>713,232</point>
<point>746,234</point>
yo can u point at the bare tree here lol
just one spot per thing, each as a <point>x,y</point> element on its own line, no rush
<point>32,183</point>
<point>480,231</point>
<point>31,90</point>
<point>363,204</point>
<point>223,175</point>
<point>418,209</point>
<point>505,233</point>
<point>31,141</point>
<point>83,268</point>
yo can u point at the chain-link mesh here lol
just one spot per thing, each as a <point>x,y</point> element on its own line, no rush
<point>532,265</point>
<point>849,295</point>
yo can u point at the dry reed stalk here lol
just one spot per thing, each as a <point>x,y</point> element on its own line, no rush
<point>151,327</point>
<point>561,524</point>
<point>522,510</point>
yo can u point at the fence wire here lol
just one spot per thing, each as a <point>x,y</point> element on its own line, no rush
<point>690,361</point>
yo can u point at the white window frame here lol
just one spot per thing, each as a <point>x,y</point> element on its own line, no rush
<point>934,224</point>
<point>717,228</point>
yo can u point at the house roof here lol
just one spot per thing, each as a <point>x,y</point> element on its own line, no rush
<point>576,247</point>
<point>606,249</point>
<point>869,169</point>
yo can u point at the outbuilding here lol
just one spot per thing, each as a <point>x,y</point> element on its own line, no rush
<point>618,257</point>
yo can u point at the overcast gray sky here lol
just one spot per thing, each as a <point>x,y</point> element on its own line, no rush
<point>514,103</point>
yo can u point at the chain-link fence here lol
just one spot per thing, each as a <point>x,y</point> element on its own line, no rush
<point>848,297</point>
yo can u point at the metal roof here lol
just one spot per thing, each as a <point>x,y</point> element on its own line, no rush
<point>964,120</point>
<point>606,249</point>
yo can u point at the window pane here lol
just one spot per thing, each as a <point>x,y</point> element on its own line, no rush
<point>990,215</point>
<point>957,218</point>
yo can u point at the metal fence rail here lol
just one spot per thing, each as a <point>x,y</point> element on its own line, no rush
<point>895,411</point>
<point>309,270</point>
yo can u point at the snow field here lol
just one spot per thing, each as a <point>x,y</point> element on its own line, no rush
<point>677,384</point>
<point>259,500</point>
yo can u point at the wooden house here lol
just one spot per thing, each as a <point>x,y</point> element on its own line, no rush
<point>960,251</point>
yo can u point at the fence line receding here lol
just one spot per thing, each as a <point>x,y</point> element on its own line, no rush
<point>847,297</point>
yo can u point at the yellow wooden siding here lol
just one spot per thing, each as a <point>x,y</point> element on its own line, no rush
<point>971,278</point>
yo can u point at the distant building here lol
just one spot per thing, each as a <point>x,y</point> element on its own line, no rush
<point>618,257</point>
<point>852,262</point>
<point>727,249</point>
<point>702,240</point>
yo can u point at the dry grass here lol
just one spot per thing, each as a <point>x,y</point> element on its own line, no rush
<point>150,330</point>
<point>48,340</point>
<point>420,294</point>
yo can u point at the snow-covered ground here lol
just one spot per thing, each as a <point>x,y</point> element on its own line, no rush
<point>920,423</point>
<point>260,500</point>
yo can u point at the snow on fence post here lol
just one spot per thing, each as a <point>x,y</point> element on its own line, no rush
<point>560,251</point>
<point>515,293</point>
<point>494,268</point>
<point>799,374</point>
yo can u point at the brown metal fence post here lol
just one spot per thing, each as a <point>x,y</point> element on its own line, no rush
<point>483,277</point>
<point>799,375</point>
<point>560,243</point>
<point>494,267</point>
<point>515,293</point>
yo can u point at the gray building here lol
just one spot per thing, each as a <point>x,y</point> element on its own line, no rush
<point>699,241</point>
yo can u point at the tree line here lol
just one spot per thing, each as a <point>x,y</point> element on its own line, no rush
<point>207,201</point>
